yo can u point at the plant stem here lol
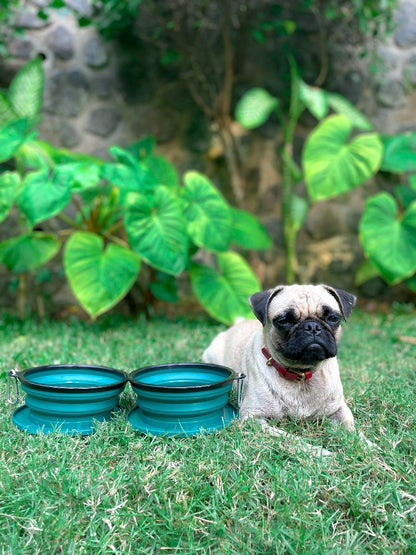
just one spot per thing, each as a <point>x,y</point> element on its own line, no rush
<point>289,237</point>
<point>67,220</point>
<point>115,239</point>
<point>22,295</point>
<point>79,208</point>
<point>40,303</point>
<point>231,149</point>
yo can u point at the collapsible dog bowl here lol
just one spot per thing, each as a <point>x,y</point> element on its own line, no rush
<point>182,399</point>
<point>67,398</point>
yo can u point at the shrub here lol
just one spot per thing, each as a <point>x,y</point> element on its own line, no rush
<point>131,213</point>
<point>341,153</point>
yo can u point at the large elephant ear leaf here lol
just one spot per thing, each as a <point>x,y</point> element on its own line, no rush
<point>248,232</point>
<point>389,238</point>
<point>334,165</point>
<point>43,196</point>
<point>26,89</point>
<point>224,292</point>
<point>161,171</point>
<point>99,276</point>
<point>28,252</point>
<point>156,230</point>
<point>206,212</point>
<point>399,153</point>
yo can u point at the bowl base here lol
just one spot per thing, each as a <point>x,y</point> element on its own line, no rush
<point>23,420</point>
<point>138,422</point>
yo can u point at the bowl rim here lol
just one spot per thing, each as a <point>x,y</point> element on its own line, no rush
<point>180,388</point>
<point>68,389</point>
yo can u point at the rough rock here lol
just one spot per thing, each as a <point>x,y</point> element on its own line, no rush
<point>66,93</point>
<point>95,53</point>
<point>391,94</point>
<point>409,71</point>
<point>405,34</point>
<point>102,121</point>
<point>61,42</point>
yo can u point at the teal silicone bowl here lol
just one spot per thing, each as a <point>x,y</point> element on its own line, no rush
<point>68,398</point>
<point>182,399</point>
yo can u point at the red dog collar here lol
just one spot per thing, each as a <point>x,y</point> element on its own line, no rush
<point>293,375</point>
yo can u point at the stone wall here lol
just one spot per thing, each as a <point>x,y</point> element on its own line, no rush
<point>97,95</point>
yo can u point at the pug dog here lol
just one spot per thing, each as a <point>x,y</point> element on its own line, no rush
<point>289,354</point>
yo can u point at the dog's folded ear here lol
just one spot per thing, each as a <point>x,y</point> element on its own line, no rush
<point>260,301</point>
<point>345,300</point>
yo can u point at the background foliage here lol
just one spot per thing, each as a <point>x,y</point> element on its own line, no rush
<point>130,212</point>
<point>334,163</point>
<point>137,205</point>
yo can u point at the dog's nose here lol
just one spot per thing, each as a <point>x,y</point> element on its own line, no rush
<point>312,327</point>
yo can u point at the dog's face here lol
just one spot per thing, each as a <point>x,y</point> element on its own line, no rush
<point>302,322</point>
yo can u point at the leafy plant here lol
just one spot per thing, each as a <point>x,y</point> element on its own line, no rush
<point>332,163</point>
<point>132,213</point>
<point>388,225</point>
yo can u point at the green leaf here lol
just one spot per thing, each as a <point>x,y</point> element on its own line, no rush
<point>44,195</point>
<point>366,271</point>
<point>342,106</point>
<point>206,212</point>
<point>28,252</point>
<point>7,112</point>
<point>334,166</point>
<point>143,174</point>
<point>389,238</point>
<point>12,135</point>
<point>9,182</point>
<point>127,179</point>
<point>412,181</point>
<point>161,171</point>
<point>164,288</point>
<point>124,157</point>
<point>85,176</point>
<point>64,156</point>
<point>31,156</point>
<point>224,293</point>
<point>255,107</point>
<point>143,148</point>
<point>411,283</point>
<point>26,89</point>
<point>315,99</point>
<point>405,195</point>
<point>156,230</point>
<point>99,276</point>
<point>399,153</point>
<point>299,212</point>
<point>296,173</point>
<point>248,232</point>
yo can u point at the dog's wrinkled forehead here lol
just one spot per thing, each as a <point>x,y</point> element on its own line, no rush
<point>305,300</point>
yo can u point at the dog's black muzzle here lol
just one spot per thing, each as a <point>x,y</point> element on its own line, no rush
<point>309,342</point>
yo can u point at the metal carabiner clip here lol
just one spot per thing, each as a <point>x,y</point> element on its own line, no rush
<point>12,375</point>
<point>240,380</point>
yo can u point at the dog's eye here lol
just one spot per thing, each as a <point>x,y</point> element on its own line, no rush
<point>288,319</point>
<point>333,319</point>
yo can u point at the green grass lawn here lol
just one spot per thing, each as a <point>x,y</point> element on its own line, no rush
<point>235,491</point>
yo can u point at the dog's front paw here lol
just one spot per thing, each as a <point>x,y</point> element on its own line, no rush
<point>294,443</point>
